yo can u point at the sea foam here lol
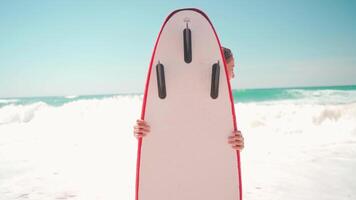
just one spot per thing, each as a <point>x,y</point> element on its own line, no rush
<point>85,149</point>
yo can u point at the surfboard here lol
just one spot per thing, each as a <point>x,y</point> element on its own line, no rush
<point>189,107</point>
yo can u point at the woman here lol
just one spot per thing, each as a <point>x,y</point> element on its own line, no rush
<point>236,140</point>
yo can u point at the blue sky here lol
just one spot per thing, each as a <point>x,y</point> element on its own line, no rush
<point>104,47</point>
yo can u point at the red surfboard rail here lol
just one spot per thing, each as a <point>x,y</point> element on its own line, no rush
<point>138,162</point>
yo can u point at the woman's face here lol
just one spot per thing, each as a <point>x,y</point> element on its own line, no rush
<point>230,67</point>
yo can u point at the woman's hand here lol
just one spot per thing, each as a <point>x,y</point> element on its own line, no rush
<point>141,128</point>
<point>236,140</point>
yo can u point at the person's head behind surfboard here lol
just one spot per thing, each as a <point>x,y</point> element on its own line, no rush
<point>230,62</point>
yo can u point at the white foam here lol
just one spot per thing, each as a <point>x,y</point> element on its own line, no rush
<point>4,101</point>
<point>19,113</point>
<point>323,96</point>
<point>71,96</point>
<point>86,150</point>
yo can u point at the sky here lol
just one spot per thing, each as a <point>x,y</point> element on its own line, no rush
<point>54,48</point>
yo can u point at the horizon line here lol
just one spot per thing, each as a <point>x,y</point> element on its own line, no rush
<point>141,93</point>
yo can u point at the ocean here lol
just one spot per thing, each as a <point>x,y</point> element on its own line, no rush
<point>300,144</point>
<point>319,95</point>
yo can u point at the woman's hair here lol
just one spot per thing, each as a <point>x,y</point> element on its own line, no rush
<point>227,53</point>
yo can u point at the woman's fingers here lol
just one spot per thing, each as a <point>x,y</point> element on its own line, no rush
<point>238,147</point>
<point>236,140</point>
<point>236,137</point>
<point>141,128</point>
<point>144,133</point>
<point>141,122</point>
<point>141,131</point>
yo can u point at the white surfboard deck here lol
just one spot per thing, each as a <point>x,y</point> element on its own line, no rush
<point>186,156</point>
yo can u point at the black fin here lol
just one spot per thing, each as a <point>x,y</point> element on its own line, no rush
<point>161,81</point>
<point>187,39</point>
<point>214,93</point>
